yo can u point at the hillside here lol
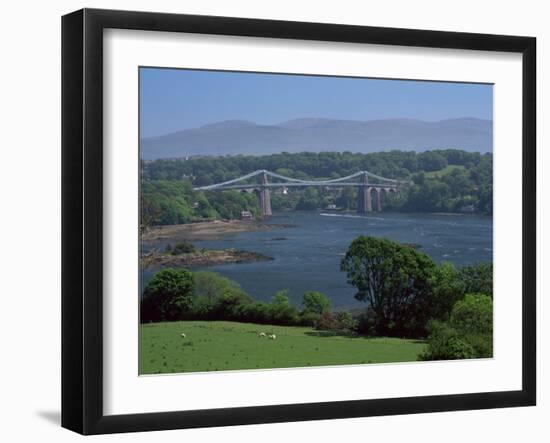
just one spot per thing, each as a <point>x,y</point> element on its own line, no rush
<point>316,135</point>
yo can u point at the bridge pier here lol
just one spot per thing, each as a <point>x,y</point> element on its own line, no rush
<point>265,202</point>
<point>364,198</point>
<point>265,197</point>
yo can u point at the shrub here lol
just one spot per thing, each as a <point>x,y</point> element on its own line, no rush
<point>328,321</point>
<point>347,323</point>
<point>482,344</point>
<point>203,308</point>
<point>228,307</point>
<point>342,321</point>
<point>183,248</point>
<point>315,302</point>
<point>309,318</point>
<point>472,318</point>
<point>473,315</point>
<point>282,312</point>
<point>468,333</point>
<point>212,286</point>
<point>258,312</point>
<point>444,343</point>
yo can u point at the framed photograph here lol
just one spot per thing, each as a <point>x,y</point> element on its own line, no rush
<point>268,221</point>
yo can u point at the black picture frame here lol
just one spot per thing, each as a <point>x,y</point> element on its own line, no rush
<point>82,218</point>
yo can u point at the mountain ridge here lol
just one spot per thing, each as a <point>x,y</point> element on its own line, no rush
<point>233,137</point>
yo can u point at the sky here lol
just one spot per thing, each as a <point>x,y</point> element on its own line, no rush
<point>176,99</point>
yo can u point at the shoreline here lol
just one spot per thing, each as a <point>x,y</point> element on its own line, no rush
<point>203,257</point>
<point>208,230</point>
<point>216,229</point>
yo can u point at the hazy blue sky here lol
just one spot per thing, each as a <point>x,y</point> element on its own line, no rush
<point>174,99</point>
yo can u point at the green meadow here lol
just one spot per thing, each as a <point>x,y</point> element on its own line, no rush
<point>446,170</point>
<point>224,345</point>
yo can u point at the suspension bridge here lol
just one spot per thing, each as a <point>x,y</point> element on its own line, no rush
<point>370,187</point>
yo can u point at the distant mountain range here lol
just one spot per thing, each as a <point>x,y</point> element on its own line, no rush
<point>234,137</point>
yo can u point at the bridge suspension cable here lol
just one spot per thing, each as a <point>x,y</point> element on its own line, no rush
<point>229,182</point>
<point>297,180</point>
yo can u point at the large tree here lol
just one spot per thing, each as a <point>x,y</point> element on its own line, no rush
<point>395,281</point>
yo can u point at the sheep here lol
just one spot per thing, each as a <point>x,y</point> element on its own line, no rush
<point>272,336</point>
<point>183,335</point>
<point>262,334</point>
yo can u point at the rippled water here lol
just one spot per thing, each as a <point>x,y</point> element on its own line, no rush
<point>307,256</point>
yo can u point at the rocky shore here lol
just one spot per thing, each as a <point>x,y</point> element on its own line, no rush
<point>199,258</point>
<point>203,230</point>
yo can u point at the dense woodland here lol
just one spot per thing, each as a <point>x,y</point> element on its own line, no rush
<point>441,181</point>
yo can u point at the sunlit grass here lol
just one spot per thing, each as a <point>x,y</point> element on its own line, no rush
<point>446,170</point>
<point>220,345</point>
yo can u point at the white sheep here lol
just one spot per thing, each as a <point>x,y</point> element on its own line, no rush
<point>262,334</point>
<point>272,336</point>
<point>183,335</point>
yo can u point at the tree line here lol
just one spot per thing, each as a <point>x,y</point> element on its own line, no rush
<point>306,165</point>
<point>171,202</point>
<point>441,181</point>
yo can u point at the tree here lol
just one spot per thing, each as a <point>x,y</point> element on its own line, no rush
<point>431,161</point>
<point>448,288</point>
<point>458,181</point>
<point>347,198</point>
<point>431,196</point>
<point>394,280</point>
<point>167,296</point>
<point>468,333</point>
<point>473,315</point>
<point>477,278</point>
<point>183,247</point>
<point>316,302</point>
<point>282,312</point>
<point>310,200</point>
<point>217,297</point>
<point>149,212</point>
<point>212,286</point>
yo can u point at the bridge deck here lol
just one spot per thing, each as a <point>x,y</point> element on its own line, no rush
<point>382,182</point>
<point>364,197</point>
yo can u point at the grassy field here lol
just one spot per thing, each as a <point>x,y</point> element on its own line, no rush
<point>220,345</point>
<point>445,170</point>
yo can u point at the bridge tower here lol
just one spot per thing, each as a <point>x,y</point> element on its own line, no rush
<point>364,199</point>
<point>265,196</point>
<point>378,199</point>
